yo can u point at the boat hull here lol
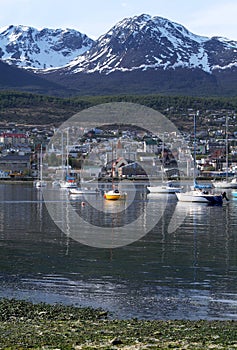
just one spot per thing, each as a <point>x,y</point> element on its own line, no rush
<point>79,191</point>
<point>164,189</point>
<point>112,197</point>
<point>65,184</point>
<point>199,198</point>
<point>225,184</point>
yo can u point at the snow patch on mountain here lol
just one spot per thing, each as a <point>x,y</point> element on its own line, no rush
<point>228,66</point>
<point>141,43</point>
<point>29,47</point>
<point>137,43</point>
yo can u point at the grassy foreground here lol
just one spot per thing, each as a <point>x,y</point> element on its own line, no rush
<point>24,325</point>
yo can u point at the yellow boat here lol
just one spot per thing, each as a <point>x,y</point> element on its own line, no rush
<point>112,195</point>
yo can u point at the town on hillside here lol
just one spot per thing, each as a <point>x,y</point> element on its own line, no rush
<point>121,151</point>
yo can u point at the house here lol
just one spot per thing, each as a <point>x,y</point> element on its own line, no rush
<point>131,170</point>
<point>4,175</point>
<point>13,139</point>
<point>15,163</point>
<point>90,171</point>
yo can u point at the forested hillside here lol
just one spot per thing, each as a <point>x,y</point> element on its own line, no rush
<point>30,108</point>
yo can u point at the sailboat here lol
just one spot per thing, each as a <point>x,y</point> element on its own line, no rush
<point>40,182</point>
<point>226,183</point>
<point>200,193</point>
<point>165,187</point>
<point>69,181</point>
<point>168,187</point>
<point>83,191</point>
<point>113,194</point>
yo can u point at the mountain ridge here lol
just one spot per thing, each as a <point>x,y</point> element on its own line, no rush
<point>28,47</point>
<point>144,42</point>
<point>145,54</point>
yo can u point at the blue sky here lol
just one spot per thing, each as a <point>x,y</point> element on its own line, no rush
<point>95,17</point>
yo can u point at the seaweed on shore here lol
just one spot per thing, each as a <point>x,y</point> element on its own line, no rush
<point>24,325</point>
<point>11,309</point>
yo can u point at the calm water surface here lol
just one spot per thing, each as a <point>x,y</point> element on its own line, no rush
<point>187,273</point>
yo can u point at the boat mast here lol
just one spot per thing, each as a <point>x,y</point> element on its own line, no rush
<point>41,162</point>
<point>112,166</point>
<point>62,159</point>
<point>163,151</point>
<point>67,153</point>
<point>195,147</point>
<point>226,147</point>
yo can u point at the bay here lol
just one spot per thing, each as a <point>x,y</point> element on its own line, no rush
<point>189,272</point>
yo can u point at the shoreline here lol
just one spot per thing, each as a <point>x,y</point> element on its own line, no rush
<point>108,180</point>
<point>25,325</point>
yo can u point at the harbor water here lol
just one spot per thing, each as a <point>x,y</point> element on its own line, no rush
<point>188,271</point>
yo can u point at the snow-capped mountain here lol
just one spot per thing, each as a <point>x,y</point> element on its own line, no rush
<point>29,47</point>
<point>149,43</point>
<point>141,54</point>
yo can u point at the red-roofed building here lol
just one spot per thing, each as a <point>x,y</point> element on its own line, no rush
<point>11,139</point>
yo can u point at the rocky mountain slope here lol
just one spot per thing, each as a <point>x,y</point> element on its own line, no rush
<point>140,55</point>
<point>32,48</point>
<point>145,54</point>
<point>150,43</point>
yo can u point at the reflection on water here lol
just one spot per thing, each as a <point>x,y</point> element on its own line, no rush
<point>186,273</point>
<point>105,224</point>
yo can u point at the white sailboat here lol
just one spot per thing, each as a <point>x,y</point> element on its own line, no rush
<point>226,183</point>
<point>165,187</point>
<point>40,182</point>
<point>83,191</point>
<point>200,196</point>
<point>168,187</point>
<point>200,193</point>
<point>68,181</point>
